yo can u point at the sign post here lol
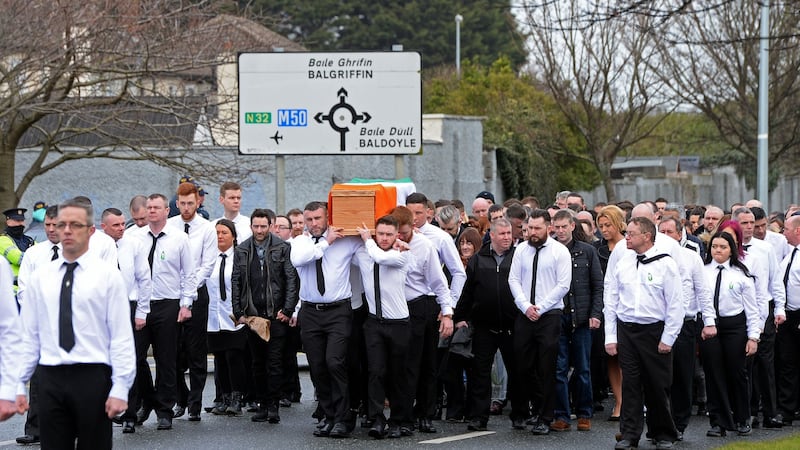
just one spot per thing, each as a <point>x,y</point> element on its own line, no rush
<point>330,103</point>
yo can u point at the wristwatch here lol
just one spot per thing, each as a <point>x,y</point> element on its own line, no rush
<point>756,340</point>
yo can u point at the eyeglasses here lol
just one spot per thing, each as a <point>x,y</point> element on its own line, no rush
<point>630,234</point>
<point>284,227</point>
<point>77,226</point>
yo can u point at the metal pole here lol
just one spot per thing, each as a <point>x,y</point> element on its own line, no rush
<point>459,19</point>
<point>399,167</point>
<point>762,190</point>
<point>280,184</point>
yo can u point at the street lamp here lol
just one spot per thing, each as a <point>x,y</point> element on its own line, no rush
<point>459,19</point>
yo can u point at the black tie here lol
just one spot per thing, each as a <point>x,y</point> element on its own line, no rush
<point>222,294</point>
<point>55,253</point>
<point>747,247</point>
<point>788,268</point>
<point>640,259</point>
<point>376,273</point>
<point>186,228</point>
<point>716,289</point>
<point>533,275</point>
<point>66,336</point>
<point>153,250</point>
<point>320,276</point>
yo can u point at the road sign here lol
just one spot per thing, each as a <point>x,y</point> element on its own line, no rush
<point>330,103</point>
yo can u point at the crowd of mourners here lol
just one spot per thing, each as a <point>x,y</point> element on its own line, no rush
<point>538,311</point>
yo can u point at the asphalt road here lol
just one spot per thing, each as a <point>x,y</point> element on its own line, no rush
<point>294,432</point>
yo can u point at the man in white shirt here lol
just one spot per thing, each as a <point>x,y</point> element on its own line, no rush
<point>230,197</point>
<point>10,338</point>
<point>788,339</point>
<point>539,278</point>
<point>643,317</point>
<point>174,285</point>
<point>192,347</point>
<point>383,263</point>
<point>80,338</point>
<point>132,256</point>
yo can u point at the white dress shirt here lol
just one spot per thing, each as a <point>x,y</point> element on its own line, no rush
<point>698,296</point>
<point>425,275</point>
<point>104,247</point>
<point>779,244</point>
<point>737,293</point>
<point>393,267</point>
<point>100,320</point>
<point>202,244</point>
<point>645,294</point>
<point>174,269</point>
<point>242,223</point>
<point>35,257</point>
<point>448,255</point>
<point>135,270</point>
<point>769,266</point>
<point>220,311</point>
<point>10,334</point>
<point>553,276</point>
<point>793,285</point>
<point>336,260</point>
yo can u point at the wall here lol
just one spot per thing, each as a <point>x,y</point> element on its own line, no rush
<point>450,166</point>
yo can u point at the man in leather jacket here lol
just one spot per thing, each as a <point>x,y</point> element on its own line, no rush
<point>265,284</point>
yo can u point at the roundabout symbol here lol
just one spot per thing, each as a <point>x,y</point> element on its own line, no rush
<point>340,116</point>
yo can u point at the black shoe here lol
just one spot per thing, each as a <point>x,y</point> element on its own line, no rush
<point>285,403</point>
<point>164,424</point>
<point>394,432</point>
<point>425,426</point>
<point>532,420</point>
<point>626,444</point>
<point>128,427</point>
<point>772,422</point>
<point>743,429</point>
<point>210,409</point>
<point>377,431</point>
<point>142,415</point>
<point>252,406</point>
<point>273,416</point>
<point>716,431</point>
<point>178,411</point>
<point>476,425</point>
<point>261,416</point>
<point>540,429</point>
<point>518,424</point>
<point>27,439</point>
<point>194,416</point>
<point>339,431</point>
<point>325,431</point>
<point>785,421</point>
<point>664,445</point>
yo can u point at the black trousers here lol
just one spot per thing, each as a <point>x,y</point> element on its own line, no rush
<point>325,334</point>
<point>421,368</point>
<point>162,332</point>
<point>763,371</point>
<point>267,360</point>
<point>357,360</point>
<point>485,344</point>
<point>683,358</point>
<point>788,375</point>
<point>32,419</point>
<point>387,345</point>
<point>72,401</point>
<point>291,371</point>
<point>536,348</point>
<point>143,375</point>
<point>725,364</point>
<point>646,379</point>
<point>193,354</point>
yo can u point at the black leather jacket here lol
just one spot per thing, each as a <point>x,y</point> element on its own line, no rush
<point>283,284</point>
<point>486,299</point>
<point>585,297</point>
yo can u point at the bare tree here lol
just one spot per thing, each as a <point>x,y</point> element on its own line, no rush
<point>133,80</point>
<point>710,57</point>
<point>597,66</point>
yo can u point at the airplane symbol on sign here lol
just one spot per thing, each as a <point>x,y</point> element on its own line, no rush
<point>277,138</point>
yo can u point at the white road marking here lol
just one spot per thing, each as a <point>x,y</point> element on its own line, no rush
<point>458,437</point>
